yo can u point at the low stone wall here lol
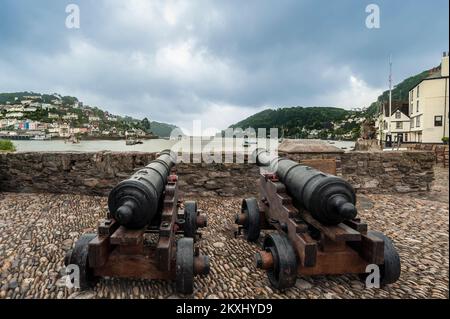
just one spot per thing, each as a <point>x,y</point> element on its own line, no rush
<point>83,173</point>
<point>225,180</point>
<point>388,172</point>
<point>367,145</point>
<point>97,173</point>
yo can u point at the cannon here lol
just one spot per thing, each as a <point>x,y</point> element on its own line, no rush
<point>317,228</point>
<point>148,232</point>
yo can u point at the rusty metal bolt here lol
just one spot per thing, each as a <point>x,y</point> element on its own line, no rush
<point>241,219</point>
<point>202,220</point>
<point>264,260</point>
<point>201,265</point>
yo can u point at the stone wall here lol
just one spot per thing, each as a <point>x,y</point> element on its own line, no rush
<point>225,180</point>
<point>97,173</point>
<point>83,173</point>
<point>388,172</point>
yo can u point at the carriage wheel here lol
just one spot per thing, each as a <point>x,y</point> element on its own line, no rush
<point>391,268</point>
<point>251,225</point>
<point>79,256</point>
<point>282,272</point>
<point>185,265</point>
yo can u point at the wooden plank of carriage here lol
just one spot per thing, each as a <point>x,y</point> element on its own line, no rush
<point>340,232</point>
<point>98,251</point>
<point>124,236</point>
<point>138,266</point>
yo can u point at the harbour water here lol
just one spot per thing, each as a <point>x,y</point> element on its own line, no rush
<point>153,145</point>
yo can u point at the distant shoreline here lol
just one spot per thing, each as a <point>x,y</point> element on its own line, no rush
<point>83,138</point>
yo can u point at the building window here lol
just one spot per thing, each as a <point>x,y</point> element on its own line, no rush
<point>412,123</point>
<point>418,87</point>
<point>438,120</point>
<point>399,125</point>
<point>398,115</point>
<point>406,137</point>
<point>385,125</point>
<point>417,110</point>
<point>418,121</point>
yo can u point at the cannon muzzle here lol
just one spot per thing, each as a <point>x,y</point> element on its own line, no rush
<point>134,202</point>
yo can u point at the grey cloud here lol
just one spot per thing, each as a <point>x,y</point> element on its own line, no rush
<point>176,64</point>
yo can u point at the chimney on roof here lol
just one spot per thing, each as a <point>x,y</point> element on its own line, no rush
<point>444,64</point>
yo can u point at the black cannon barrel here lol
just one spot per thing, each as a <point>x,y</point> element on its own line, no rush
<point>134,202</point>
<point>328,198</point>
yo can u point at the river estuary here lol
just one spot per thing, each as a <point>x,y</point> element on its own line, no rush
<point>154,145</point>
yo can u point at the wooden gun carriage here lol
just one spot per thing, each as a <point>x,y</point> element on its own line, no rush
<point>317,231</point>
<point>140,236</point>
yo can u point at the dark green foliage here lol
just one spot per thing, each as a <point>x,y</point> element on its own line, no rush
<point>69,100</point>
<point>293,121</point>
<point>162,129</point>
<point>145,123</point>
<point>399,93</point>
<point>7,145</point>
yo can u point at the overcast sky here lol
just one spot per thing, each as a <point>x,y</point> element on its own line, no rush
<point>216,61</point>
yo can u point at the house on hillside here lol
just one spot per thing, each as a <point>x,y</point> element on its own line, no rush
<point>70,116</point>
<point>14,115</point>
<point>429,106</point>
<point>398,119</point>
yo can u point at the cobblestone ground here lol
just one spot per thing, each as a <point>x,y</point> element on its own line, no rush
<point>37,229</point>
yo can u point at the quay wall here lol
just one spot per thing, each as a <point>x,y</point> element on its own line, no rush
<point>95,173</point>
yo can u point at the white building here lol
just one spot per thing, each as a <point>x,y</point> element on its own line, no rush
<point>30,109</point>
<point>7,122</point>
<point>94,119</point>
<point>53,116</point>
<point>398,119</point>
<point>429,106</point>
<point>47,106</point>
<point>16,109</point>
<point>14,114</point>
<point>70,116</point>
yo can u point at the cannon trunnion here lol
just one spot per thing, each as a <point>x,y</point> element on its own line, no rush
<point>316,228</point>
<point>148,234</point>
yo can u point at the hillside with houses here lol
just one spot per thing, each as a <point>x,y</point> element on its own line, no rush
<point>308,122</point>
<point>28,115</point>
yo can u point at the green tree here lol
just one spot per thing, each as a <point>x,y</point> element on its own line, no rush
<point>145,123</point>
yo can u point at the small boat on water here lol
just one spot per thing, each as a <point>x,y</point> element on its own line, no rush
<point>247,142</point>
<point>72,139</point>
<point>40,138</point>
<point>133,142</point>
